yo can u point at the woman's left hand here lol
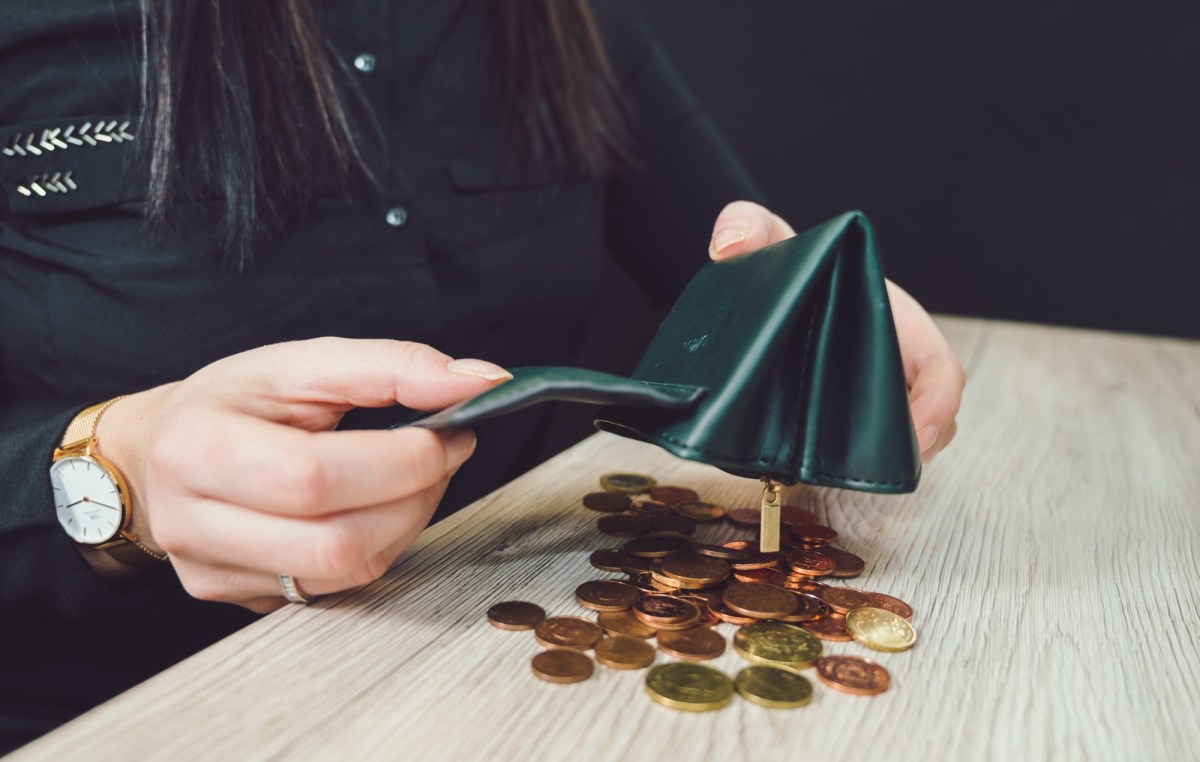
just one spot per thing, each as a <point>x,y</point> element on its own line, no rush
<point>934,375</point>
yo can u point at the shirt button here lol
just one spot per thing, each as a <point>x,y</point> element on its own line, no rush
<point>365,62</point>
<point>397,216</point>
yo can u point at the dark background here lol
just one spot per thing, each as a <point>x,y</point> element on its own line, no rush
<point>1035,161</point>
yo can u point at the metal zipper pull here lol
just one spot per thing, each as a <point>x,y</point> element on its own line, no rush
<point>769,521</point>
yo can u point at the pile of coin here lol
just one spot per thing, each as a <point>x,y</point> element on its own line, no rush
<point>677,589</point>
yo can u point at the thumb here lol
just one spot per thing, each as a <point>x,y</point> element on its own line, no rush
<point>364,373</point>
<point>744,226</point>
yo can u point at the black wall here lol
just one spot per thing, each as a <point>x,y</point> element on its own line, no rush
<point>1023,160</point>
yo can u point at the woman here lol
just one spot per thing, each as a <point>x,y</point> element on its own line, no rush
<point>194,190</point>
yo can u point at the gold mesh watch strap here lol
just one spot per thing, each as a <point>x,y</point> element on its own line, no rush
<point>135,554</point>
<point>83,426</point>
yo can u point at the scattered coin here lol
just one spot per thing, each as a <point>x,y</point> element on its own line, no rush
<point>773,687</point>
<point>651,508</point>
<point>831,627</point>
<point>842,599</point>
<point>562,665</point>
<point>689,687</point>
<point>665,612</point>
<point>717,607</point>
<point>720,551</point>
<point>761,601</point>
<point>812,533</point>
<point>516,615</point>
<point>880,629</point>
<point>744,517</point>
<point>692,644</point>
<point>777,644</point>
<point>812,563</point>
<point>698,510</point>
<point>607,502</point>
<point>624,623</point>
<point>767,576</point>
<point>853,674</point>
<point>607,559</point>
<point>624,652</point>
<point>635,564</point>
<point>656,546</point>
<point>845,564</point>
<point>568,632</point>
<point>811,609</point>
<point>894,605</point>
<point>624,524</point>
<point>673,495</point>
<point>606,595</point>
<point>697,569</point>
<point>632,483</point>
<point>670,522</point>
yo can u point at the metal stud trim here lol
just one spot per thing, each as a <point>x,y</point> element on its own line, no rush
<point>61,138</point>
<point>49,182</point>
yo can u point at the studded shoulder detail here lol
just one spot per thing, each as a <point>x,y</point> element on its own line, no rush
<point>62,138</point>
<point>34,174</point>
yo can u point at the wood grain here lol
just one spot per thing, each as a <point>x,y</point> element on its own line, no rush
<point>1051,555</point>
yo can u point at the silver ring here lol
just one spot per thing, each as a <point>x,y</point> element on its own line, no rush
<point>291,590</point>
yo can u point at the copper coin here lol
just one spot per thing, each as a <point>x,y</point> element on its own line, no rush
<point>624,652</point>
<point>894,605</point>
<point>670,522</point>
<point>635,565</point>
<point>811,609</point>
<point>562,665</point>
<point>515,615</point>
<point>802,584</point>
<point>656,546</point>
<point>624,525</point>
<point>812,533</point>
<point>842,599</point>
<point>766,576</point>
<point>643,582</point>
<point>853,674</point>
<point>633,484</point>
<point>607,502</point>
<point>651,508</point>
<point>607,559</point>
<point>694,644</point>
<point>623,623</point>
<point>678,585</point>
<point>666,612</point>
<point>812,563</point>
<point>746,546</point>
<point>606,595</point>
<point>698,510</point>
<point>717,607</point>
<point>721,552</point>
<point>568,632</point>
<point>831,627</point>
<point>697,569</point>
<point>761,601</point>
<point>745,517</point>
<point>673,495</point>
<point>707,618</point>
<point>758,561</point>
<point>845,564</point>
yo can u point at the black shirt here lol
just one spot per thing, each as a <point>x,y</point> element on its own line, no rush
<point>461,248</point>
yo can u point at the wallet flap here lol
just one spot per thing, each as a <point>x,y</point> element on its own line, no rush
<point>532,385</point>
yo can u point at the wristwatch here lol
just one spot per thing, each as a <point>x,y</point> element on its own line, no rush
<point>91,497</point>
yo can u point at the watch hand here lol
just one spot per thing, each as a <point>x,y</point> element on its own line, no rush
<point>72,505</point>
<point>105,505</point>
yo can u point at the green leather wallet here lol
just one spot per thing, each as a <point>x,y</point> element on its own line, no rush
<point>780,363</point>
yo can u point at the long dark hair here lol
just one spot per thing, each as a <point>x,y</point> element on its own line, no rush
<point>238,93</point>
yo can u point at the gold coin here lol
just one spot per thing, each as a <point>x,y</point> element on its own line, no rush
<point>624,623</point>
<point>689,687</point>
<point>880,629</point>
<point>773,687</point>
<point>777,644</point>
<point>632,484</point>
<point>624,652</point>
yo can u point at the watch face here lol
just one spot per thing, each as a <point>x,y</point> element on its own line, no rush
<point>87,498</point>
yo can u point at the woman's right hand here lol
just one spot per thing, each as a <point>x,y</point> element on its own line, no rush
<point>236,472</point>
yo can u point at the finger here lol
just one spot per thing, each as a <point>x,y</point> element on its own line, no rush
<point>935,398</point>
<point>350,547</point>
<point>358,373</point>
<point>269,467</point>
<point>744,226</point>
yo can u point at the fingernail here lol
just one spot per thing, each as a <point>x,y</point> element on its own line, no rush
<point>479,369</point>
<point>725,238</point>
<point>459,446</point>
<point>927,437</point>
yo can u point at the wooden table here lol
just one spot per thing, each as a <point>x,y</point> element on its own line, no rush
<point>1052,555</point>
